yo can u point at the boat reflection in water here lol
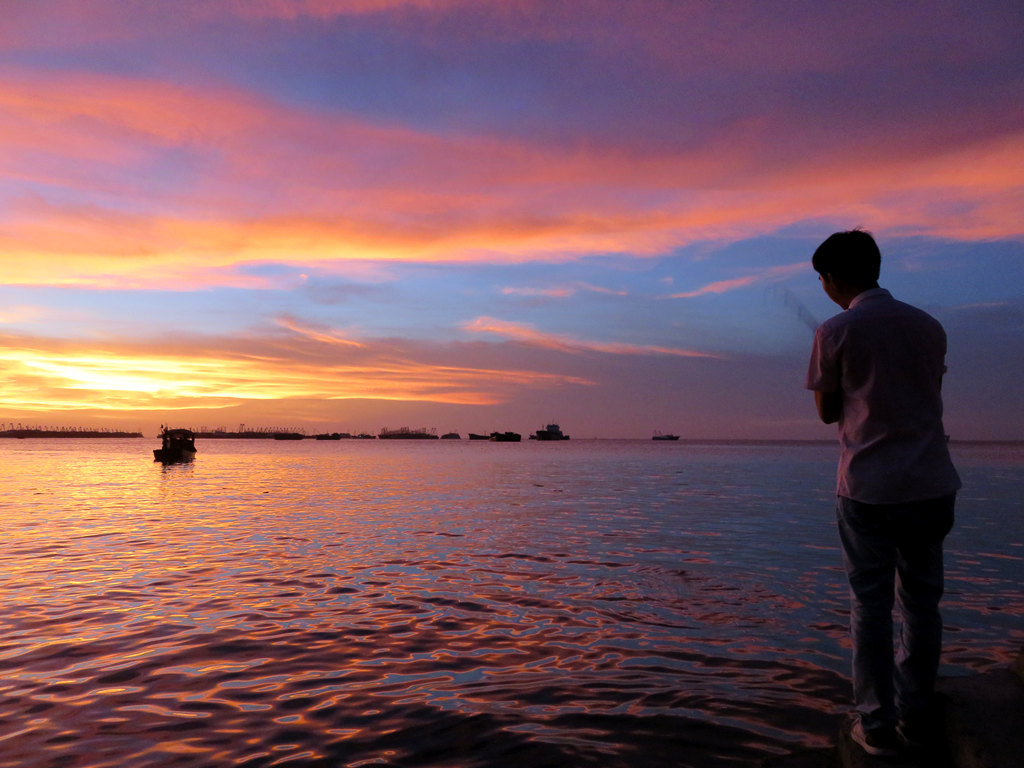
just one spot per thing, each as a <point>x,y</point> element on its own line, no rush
<point>175,445</point>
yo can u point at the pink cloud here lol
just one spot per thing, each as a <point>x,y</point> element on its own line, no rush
<point>555,293</point>
<point>293,9</point>
<point>321,334</point>
<point>559,292</point>
<point>529,335</point>
<point>256,181</point>
<point>760,276</point>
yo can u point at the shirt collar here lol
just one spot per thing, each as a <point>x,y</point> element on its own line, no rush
<point>871,293</point>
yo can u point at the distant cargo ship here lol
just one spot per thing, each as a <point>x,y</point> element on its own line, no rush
<point>550,432</point>
<point>243,433</point>
<point>663,436</point>
<point>62,432</point>
<point>404,433</point>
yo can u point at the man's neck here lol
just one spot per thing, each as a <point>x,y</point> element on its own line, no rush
<point>847,293</point>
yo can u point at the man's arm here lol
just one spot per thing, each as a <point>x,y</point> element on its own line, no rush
<point>830,406</point>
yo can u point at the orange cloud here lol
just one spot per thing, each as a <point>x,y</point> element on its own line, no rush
<point>257,182</point>
<point>307,363</point>
<point>529,335</point>
<point>323,335</point>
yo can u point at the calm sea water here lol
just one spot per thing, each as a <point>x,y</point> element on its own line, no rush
<point>355,603</point>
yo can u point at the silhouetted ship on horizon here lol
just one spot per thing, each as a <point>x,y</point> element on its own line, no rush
<point>249,433</point>
<point>21,433</point>
<point>550,432</point>
<point>405,433</point>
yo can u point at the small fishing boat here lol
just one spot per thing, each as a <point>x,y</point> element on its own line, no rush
<point>175,445</point>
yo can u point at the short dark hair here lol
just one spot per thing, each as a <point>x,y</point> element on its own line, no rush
<point>852,257</point>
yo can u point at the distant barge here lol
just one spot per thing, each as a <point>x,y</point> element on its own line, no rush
<point>505,437</point>
<point>550,432</point>
<point>404,433</point>
<point>24,433</point>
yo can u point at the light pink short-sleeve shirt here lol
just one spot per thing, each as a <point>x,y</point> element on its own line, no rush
<point>887,360</point>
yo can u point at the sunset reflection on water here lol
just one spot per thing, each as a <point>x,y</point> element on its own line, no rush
<point>413,604</point>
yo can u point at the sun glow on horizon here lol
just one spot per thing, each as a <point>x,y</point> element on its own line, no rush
<point>62,380</point>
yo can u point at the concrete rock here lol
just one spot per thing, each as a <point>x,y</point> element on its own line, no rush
<point>985,719</point>
<point>982,726</point>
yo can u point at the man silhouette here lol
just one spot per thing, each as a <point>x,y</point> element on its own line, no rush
<point>876,369</point>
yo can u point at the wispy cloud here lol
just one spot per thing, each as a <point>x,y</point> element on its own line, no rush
<point>527,334</point>
<point>560,291</point>
<point>770,274</point>
<point>553,293</point>
<point>114,181</point>
<point>292,9</point>
<point>21,313</point>
<point>321,334</point>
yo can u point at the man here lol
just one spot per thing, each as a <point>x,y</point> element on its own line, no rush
<point>876,370</point>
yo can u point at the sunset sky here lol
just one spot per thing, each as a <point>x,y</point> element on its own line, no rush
<point>483,215</point>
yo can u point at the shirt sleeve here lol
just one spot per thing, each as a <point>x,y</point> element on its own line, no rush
<point>823,370</point>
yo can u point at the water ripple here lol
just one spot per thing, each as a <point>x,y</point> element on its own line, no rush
<point>399,605</point>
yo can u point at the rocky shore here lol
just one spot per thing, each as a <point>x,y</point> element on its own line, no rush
<point>982,719</point>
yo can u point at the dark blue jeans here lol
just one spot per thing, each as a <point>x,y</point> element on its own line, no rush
<point>893,554</point>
